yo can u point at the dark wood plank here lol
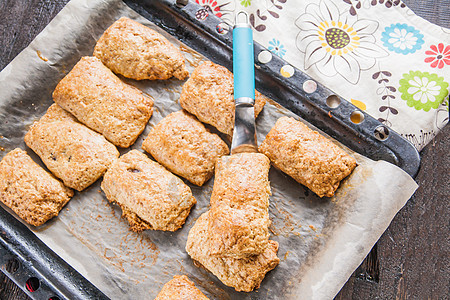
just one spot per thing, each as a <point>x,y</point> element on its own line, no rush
<point>9,291</point>
<point>415,263</point>
<point>413,252</point>
<point>415,247</point>
<point>412,255</point>
<point>22,21</point>
<point>435,11</point>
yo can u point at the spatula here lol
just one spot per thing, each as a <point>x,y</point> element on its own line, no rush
<point>244,134</point>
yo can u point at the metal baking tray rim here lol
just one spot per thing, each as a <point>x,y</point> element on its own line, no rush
<point>60,280</point>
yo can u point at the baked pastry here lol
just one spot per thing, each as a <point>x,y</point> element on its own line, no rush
<point>183,145</point>
<point>150,196</point>
<point>71,151</point>
<point>238,226</point>
<point>180,288</point>
<point>243,274</point>
<point>138,52</point>
<point>208,94</point>
<point>307,156</point>
<point>30,191</point>
<point>101,101</point>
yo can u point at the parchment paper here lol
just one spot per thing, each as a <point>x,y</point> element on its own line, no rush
<point>322,241</point>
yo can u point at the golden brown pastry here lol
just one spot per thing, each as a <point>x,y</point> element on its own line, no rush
<point>101,101</point>
<point>208,94</point>
<point>71,151</point>
<point>243,274</point>
<point>30,191</point>
<point>138,52</point>
<point>238,226</point>
<point>307,156</point>
<point>150,196</point>
<point>183,145</point>
<point>180,288</point>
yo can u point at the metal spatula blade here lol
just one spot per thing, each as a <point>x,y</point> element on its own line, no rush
<point>244,134</point>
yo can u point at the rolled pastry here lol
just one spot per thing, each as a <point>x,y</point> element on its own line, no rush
<point>243,274</point>
<point>101,101</point>
<point>30,191</point>
<point>183,145</point>
<point>180,288</point>
<point>208,94</point>
<point>71,151</point>
<point>307,156</point>
<point>239,216</point>
<point>135,51</point>
<point>150,196</point>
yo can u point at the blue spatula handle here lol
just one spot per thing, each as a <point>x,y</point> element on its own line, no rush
<point>243,62</point>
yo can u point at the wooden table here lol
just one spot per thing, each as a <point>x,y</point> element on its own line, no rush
<point>411,260</point>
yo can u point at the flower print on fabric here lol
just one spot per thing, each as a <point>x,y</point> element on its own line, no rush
<point>401,38</point>
<point>423,90</point>
<point>266,9</point>
<point>358,4</point>
<point>438,56</point>
<point>335,43</point>
<point>277,48</point>
<point>222,9</point>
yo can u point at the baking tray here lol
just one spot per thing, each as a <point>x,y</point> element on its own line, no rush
<point>19,246</point>
<point>369,138</point>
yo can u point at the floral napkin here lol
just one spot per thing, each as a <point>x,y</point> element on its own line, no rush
<point>375,53</point>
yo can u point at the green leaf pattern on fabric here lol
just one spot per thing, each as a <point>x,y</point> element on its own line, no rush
<point>246,3</point>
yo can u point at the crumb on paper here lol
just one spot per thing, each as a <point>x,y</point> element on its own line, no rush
<point>272,231</point>
<point>297,234</point>
<point>312,227</point>
<point>39,54</point>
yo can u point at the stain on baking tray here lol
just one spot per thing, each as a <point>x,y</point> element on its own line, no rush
<point>39,54</point>
<point>339,206</point>
<point>128,250</point>
<point>208,285</point>
<point>282,221</point>
<point>2,148</point>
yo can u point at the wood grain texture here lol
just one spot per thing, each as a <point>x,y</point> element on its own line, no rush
<point>412,255</point>
<point>22,20</point>
<point>413,252</point>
